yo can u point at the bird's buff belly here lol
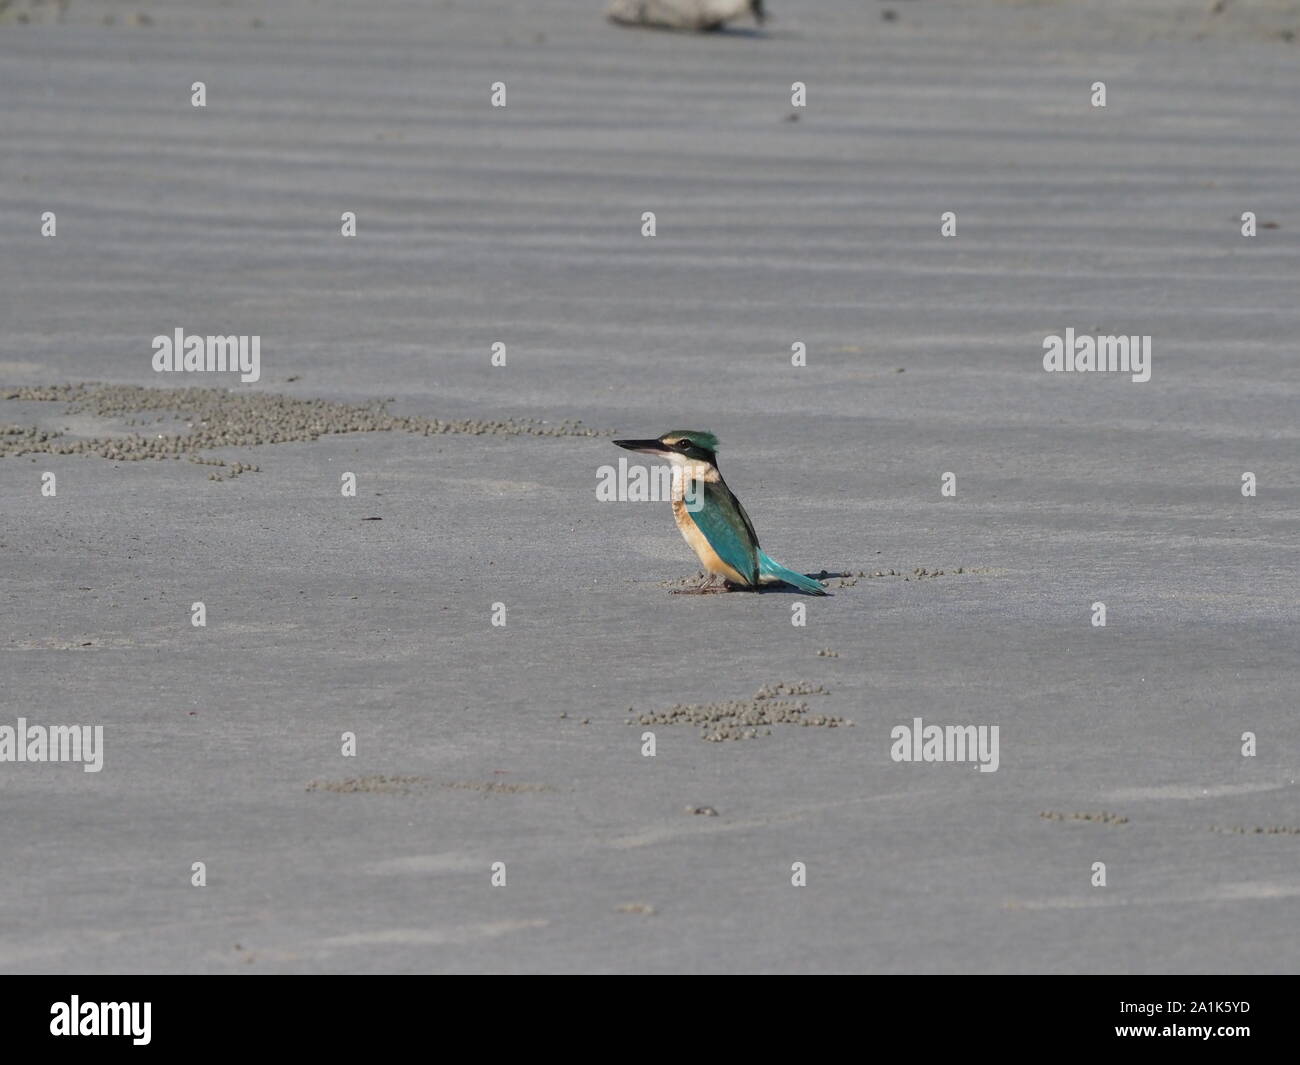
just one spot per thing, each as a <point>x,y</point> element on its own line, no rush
<point>701,546</point>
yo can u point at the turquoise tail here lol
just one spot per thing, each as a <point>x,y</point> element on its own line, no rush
<point>768,568</point>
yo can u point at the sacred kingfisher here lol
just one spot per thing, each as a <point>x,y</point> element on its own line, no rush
<point>715,525</point>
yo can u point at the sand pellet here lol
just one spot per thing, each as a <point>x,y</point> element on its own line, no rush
<point>220,418</point>
<point>747,719</point>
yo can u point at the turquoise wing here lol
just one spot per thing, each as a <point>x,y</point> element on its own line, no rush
<point>726,526</point>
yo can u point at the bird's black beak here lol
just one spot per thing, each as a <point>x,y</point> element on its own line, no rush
<point>649,447</point>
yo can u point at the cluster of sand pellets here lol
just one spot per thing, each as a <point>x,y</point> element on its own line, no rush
<point>920,573</point>
<point>1101,817</point>
<point>1105,818</point>
<point>746,719</point>
<point>375,785</point>
<point>780,688</point>
<point>218,418</point>
<point>378,784</point>
<point>703,582</point>
<point>494,787</point>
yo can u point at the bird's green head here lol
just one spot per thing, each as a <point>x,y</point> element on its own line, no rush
<point>692,444</point>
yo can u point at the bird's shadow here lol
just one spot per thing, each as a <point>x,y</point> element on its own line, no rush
<point>790,589</point>
<point>738,32</point>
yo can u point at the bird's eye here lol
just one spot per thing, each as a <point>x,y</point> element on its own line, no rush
<point>684,444</point>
